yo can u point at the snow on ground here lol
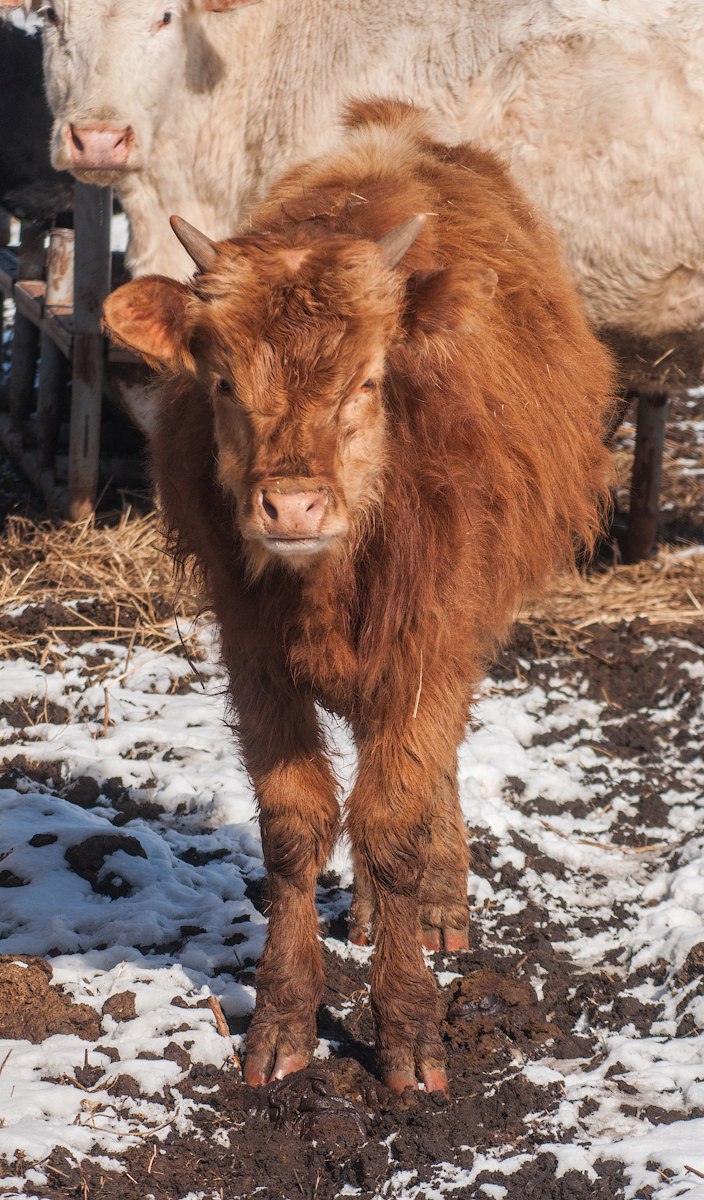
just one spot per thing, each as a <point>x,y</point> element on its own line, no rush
<point>149,733</point>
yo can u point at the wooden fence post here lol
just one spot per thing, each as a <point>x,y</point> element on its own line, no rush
<point>642,530</point>
<point>53,379</point>
<point>92,216</point>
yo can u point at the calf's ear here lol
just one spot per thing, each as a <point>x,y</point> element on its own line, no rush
<point>149,316</point>
<point>450,301</point>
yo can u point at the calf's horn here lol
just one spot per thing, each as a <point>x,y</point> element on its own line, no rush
<point>201,249</point>
<point>396,242</point>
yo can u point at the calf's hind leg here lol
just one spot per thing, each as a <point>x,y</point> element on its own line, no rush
<point>444,914</point>
<point>363,907</point>
<point>444,910</point>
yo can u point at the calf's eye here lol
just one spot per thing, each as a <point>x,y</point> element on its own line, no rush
<point>166,19</point>
<point>49,15</point>
<point>224,386</point>
<point>369,385</point>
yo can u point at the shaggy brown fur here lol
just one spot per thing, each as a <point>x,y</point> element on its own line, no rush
<point>372,466</point>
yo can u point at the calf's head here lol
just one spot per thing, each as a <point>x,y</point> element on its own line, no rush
<point>287,338</point>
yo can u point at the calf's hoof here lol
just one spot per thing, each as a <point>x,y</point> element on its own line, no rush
<point>360,935</point>
<point>275,1050</point>
<point>444,922</point>
<point>262,1068</point>
<point>445,938</point>
<point>434,1079</point>
<point>433,937</point>
<point>421,1058</point>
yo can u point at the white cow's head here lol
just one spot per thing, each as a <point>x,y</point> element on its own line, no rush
<point>113,68</point>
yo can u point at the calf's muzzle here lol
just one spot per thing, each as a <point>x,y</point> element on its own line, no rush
<point>292,515</point>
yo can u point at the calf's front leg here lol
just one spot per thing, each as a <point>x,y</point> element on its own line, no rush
<point>298,813</point>
<point>389,819</point>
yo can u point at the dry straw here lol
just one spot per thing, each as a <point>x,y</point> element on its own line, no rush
<point>665,590</point>
<point>93,581</point>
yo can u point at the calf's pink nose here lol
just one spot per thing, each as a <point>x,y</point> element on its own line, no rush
<point>294,514</point>
<point>99,147</point>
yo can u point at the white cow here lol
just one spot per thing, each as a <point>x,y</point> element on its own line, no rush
<point>598,105</point>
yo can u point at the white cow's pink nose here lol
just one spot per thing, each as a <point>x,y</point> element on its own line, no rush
<point>98,147</point>
<point>294,514</point>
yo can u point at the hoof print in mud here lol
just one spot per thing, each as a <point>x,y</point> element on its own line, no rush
<point>324,1103</point>
<point>488,1010</point>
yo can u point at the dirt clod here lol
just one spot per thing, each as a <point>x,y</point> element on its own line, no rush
<point>693,966</point>
<point>43,839</point>
<point>83,791</point>
<point>121,1006</point>
<point>177,1054</point>
<point>8,879</point>
<point>31,1009</point>
<point>87,859</point>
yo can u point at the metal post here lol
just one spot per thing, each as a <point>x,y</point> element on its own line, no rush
<point>92,214</point>
<point>647,471</point>
<point>25,338</point>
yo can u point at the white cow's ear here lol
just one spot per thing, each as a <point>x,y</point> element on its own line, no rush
<point>149,316</point>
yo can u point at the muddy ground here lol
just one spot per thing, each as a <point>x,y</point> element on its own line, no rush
<point>335,1125</point>
<point>553,975</point>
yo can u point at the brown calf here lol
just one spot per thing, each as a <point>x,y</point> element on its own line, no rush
<point>379,427</point>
